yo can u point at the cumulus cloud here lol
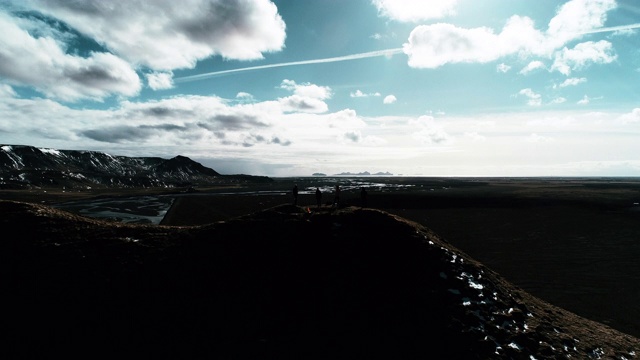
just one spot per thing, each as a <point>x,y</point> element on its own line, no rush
<point>167,34</point>
<point>389,99</point>
<point>532,66</point>
<point>306,97</point>
<point>244,97</point>
<point>583,55</point>
<point>535,99</point>
<point>414,11</point>
<point>179,121</point>
<point>160,80</point>
<point>632,117</point>
<point>577,17</point>
<point>426,130</point>
<point>307,89</point>
<point>353,136</point>
<point>432,46</point>
<point>558,100</point>
<point>345,119</point>
<point>295,103</point>
<point>41,62</point>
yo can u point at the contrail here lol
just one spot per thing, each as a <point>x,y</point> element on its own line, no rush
<point>388,52</point>
<point>613,28</point>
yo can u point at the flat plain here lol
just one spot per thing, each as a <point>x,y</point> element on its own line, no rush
<point>574,242</point>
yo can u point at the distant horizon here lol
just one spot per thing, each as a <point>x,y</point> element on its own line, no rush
<point>281,88</point>
<point>347,174</point>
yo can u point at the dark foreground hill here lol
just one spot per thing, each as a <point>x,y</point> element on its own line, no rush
<point>283,283</point>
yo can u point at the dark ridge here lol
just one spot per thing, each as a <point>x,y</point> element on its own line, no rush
<point>185,165</point>
<point>282,283</point>
<point>28,167</point>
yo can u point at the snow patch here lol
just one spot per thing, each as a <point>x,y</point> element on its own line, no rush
<point>50,151</point>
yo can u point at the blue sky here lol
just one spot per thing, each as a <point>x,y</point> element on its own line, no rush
<point>290,88</point>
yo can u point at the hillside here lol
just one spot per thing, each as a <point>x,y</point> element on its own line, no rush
<point>280,283</point>
<point>26,167</point>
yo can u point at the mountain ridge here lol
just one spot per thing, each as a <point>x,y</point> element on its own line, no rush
<point>25,166</point>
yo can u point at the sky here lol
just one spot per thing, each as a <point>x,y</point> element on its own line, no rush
<point>291,88</point>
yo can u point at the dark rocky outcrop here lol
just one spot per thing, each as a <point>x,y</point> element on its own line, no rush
<point>24,167</point>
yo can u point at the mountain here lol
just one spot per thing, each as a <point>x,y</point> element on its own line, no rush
<point>283,283</point>
<point>24,166</point>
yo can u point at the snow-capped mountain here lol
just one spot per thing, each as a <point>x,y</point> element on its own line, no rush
<point>24,166</point>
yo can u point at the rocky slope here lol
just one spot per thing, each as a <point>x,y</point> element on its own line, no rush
<point>28,167</point>
<point>281,283</point>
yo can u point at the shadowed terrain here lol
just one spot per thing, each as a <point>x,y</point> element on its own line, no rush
<point>279,283</point>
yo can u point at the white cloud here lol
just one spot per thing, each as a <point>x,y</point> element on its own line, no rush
<point>297,103</point>
<point>353,136</point>
<point>307,89</point>
<point>414,11</point>
<point>432,46</point>
<point>503,68</point>
<point>534,98</point>
<point>220,131</point>
<point>7,91</point>
<point>426,130</point>
<point>572,82</point>
<point>167,34</point>
<point>344,120</point>
<point>583,55</point>
<point>244,96</point>
<point>632,117</point>
<point>306,97</point>
<point>389,99</point>
<point>577,17</point>
<point>584,101</point>
<point>532,66</point>
<point>558,100</point>
<point>160,80</point>
<point>359,94</point>
<point>41,62</point>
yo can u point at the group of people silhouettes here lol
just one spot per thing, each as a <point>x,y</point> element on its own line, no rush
<point>336,196</point>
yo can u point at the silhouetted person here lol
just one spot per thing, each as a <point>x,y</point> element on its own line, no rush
<point>318,197</point>
<point>295,194</point>
<point>336,198</point>
<point>363,196</point>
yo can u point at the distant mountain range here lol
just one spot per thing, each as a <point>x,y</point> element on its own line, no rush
<point>23,166</point>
